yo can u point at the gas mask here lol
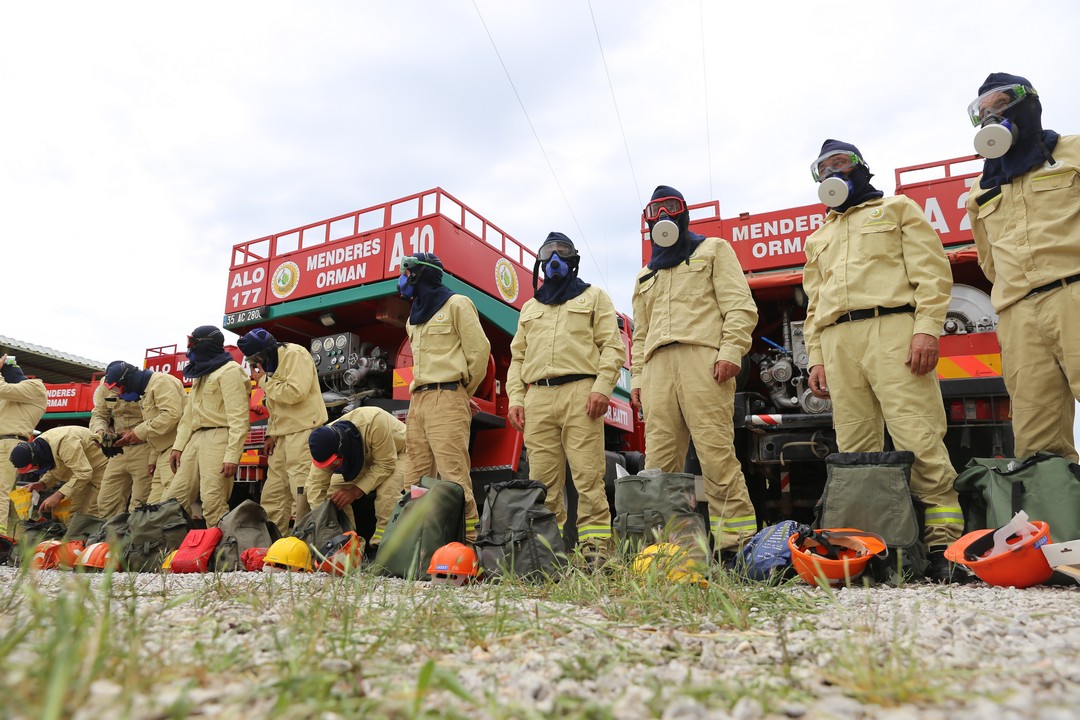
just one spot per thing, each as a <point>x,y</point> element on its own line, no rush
<point>834,191</point>
<point>991,112</point>
<point>406,286</point>
<point>995,137</point>
<point>556,267</point>
<point>830,172</point>
<point>665,232</point>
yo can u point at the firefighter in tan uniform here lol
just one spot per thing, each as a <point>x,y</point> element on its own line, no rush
<point>693,315</point>
<point>288,377</point>
<point>161,399</point>
<point>361,453</point>
<point>1025,216</point>
<point>878,284</point>
<point>127,480</point>
<point>450,356</point>
<point>215,424</point>
<point>22,403</point>
<point>70,454</point>
<point>565,361</point>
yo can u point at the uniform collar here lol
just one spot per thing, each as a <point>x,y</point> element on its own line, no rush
<point>832,214</point>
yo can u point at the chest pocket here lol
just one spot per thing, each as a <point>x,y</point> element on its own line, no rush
<point>1056,195</point>
<point>532,323</point>
<point>578,317</point>
<point>691,277</point>
<point>879,241</point>
<point>439,337</point>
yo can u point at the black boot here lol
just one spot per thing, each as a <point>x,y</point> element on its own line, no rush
<point>945,572</point>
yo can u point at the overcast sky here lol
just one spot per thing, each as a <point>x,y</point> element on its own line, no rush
<point>141,141</point>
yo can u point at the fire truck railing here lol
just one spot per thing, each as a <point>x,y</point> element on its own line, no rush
<point>384,217</point>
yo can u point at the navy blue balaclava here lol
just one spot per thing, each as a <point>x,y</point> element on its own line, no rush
<point>37,453</point>
<point>131,380</point>
<point>684,247</point>
<point>342,439</point>
<point>1033,145</point>
<point>12,374</point>
<point>206,351</point>
<point>859,177</point>
<point>429,293</point>
<point>558,288</point>
<point>261,346</point>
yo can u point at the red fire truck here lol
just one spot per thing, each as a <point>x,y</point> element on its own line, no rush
<point>783,433</point>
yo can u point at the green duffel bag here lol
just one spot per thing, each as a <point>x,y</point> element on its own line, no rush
<point>420,526</point>
<point>653,507</point>
<point>1044,485</point>
<point>321,525</point>
<point>154,531</point>
<point>871,491</point>
<point>82,526</point>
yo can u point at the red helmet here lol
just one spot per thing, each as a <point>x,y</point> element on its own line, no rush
<point>454,564</point>
<point>1010,559</point>
<point>835,556</point>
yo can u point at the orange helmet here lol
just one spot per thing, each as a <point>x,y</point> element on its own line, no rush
<point>56,553</point>
<point>835,556</point>
<point>340,554</point>
<point>454,564</point>
<point>1019,562</point>
<point>95,556</point>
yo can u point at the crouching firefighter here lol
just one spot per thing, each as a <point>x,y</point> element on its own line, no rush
<point>878,286</point>
<point>565,361</point>
<point>69,454</point>
<point>360,454</point>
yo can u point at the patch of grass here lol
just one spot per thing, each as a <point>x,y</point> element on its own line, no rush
<point>885,667</point>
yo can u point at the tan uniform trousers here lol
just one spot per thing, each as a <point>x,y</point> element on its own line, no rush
<point>437,440</point>
<point>200,474</point>
<point>386,496</point>
<point>8,476</point>
<point>1040,358</point>
<point>681,399</point>
<point>558,431</point>
<point>163,475</point>
<point>871,387</point>
<point>126,477</point>
<point>287,471</point>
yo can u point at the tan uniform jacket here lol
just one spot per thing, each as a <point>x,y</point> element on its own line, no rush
<point>578,337</point>
<point>1028,235</point>
<point>292,393</point>
<point>77,454</point>
<point>111,414</point>
<point>218,400</point>
<point>450,347</point>
<point>705,301</point>
<point>162,407</point>
<point>21,406</point>
<point>882,253</point>
<point>384,439</point>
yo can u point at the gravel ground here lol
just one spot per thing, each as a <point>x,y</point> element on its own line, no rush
<point>252,645</point>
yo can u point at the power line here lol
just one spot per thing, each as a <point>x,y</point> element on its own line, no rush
<point>614,102</point>
<point>705,81</point>
<point>543,152</point>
